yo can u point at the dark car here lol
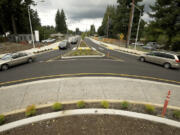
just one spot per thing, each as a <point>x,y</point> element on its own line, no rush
<point>64,45</point>
<point>151,46</point>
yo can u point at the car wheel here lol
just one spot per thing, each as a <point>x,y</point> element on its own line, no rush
<point>167,65</point>
<point>142,59</point>
<point>30,60</point>
<point>4,67</point>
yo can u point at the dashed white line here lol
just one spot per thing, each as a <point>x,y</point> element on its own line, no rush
<point>101,48</point>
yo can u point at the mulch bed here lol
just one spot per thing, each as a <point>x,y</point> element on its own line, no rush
<point>94,125</point>
<point>132,107</point>
<point>10,47</point>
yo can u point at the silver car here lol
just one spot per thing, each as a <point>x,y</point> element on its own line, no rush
<point>64,45</point>
<point>166,59</point>
<point>9,60</point>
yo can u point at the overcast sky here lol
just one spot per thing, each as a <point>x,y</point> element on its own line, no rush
<point>79,13</point>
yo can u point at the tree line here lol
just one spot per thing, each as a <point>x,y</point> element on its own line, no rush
<point>116,20</point>
<point>164,29</point>
<point>14,16</point>
<point>14,19</point>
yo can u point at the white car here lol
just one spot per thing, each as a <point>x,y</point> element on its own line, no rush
<point>49,40</point>
<point>73,40</point>
<point>138,43</point>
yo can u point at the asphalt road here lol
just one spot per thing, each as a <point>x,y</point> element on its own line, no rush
<point>49,65</point>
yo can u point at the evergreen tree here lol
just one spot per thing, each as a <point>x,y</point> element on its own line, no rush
<point>14,16</point>
<point>92,30</point>
<point>63,19</point>
<point>58,22</point>
<point>165,24</point>
<point>61,22</point>
<point>107,24</point>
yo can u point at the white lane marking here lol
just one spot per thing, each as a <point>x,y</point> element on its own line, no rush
<point>101,48</point>
<point>93,48</point>
<point>74,48</point>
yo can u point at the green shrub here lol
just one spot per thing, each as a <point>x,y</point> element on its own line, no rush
<point>81,104</point>
<point>2,119</point>
<point>57,106</point>
<point>176,114</point>
<point>30,110</point>
<point>150,109</point>
<point>124,105</point>
<point>105,104</point>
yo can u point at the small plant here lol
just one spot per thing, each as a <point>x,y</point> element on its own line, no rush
<point>150,109</point>
<point>124,105</point>
<point>57,106</point>
<point>2,119</point>
<point>30,110</point>
<point>105,104</point>
<point>81,104</point>
<point>176,114</point>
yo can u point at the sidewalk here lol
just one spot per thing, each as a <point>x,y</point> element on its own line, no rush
<point>86,88</point>
<point>115,47</point>
<point>35,50</point>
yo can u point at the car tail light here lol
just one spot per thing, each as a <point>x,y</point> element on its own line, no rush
<point>178,61</point>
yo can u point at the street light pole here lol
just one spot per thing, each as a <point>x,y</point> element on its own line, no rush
<point>137,34</point>
<point>32,35</point>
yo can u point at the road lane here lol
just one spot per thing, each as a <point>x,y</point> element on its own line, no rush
<point>129,66</point>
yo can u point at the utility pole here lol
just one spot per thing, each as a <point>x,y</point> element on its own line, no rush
<point>32,35</point>
<point>108,27</point>
<point>130,23</point>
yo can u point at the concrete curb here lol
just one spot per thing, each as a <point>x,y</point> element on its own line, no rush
<point>87,56</point>
<point>69,76</point>
<point>55,115</point>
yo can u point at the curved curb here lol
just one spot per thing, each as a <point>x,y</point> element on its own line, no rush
<point>86,56</point>
<point>88,112</point>
<point>152,79</point>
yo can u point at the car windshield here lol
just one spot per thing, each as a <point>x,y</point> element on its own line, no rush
<point>7,57</point>
<point>90,60</point>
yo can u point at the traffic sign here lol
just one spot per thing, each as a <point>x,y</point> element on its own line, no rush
<point>121,36</point>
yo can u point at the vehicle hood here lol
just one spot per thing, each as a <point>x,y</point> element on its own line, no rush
<point>3,61</point>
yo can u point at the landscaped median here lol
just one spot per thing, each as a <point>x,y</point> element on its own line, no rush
<point>110,117</point>
<point>83,50</point>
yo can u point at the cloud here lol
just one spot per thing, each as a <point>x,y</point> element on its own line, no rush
<point>147,4</point>
<point>78,11</point>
